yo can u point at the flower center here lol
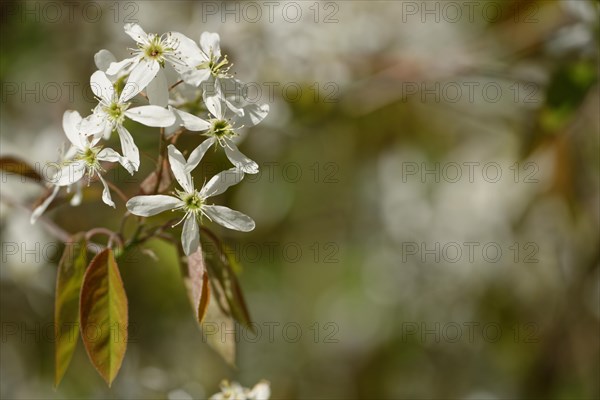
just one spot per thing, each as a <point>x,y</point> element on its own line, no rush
<point>221,128</point>
<point>90,157</point>
<point>192,202</point>
<point>157,49</point>
<point>116,111</point>
<point>217,67</point>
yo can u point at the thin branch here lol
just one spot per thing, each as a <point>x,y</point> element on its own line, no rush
<point>175,84</point>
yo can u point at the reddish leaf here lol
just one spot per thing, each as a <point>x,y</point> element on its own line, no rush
<point>197,284</point>
<point>226,286</point>
<point>66,310</point>
<point>103,313</point>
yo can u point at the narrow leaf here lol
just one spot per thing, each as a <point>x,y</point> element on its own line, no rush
<point>197,284</point>
<point>104,319</point>
<point>66,308</point>
<point>227,287</point>
<point>17,166</point>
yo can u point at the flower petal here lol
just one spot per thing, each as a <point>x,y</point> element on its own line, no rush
<point>71,123</point>
<point>106,193</point>
<point>221,182</point>
<point>211,43</point>
<point>188,53</point>
<point>195,77</point>
<point>69,174</point>
<point>253,114</point>
<point>190,235</point>
<point>108,154</point>
<point>212,96</point>
<point>115,67</point>
<point>102,86</point>
<point>191,122</point>
<point>39,210</point>
<point>198,153</point>
<point>151,116</point>
<point>178,163</point>
<point>238,159</point>
<point>139,78</point>
<point>229,218</point>
<point>128,147</point>
<point>103,59</point>
<point>78,196</point>
<point>95,124</point>
<point>234,94</point>
<point>146,206</point>
<point>136,33</point>
<point>260,391</point>
<point>158,90</point>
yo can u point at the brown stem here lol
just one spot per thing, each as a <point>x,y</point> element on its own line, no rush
<point>175,84</point>
<point>104,231</point>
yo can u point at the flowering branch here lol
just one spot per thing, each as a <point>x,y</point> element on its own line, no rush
<point>96,286</point>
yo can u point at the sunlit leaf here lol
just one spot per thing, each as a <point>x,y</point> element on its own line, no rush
<point>104,319</point>
<point>197,284</point>
<point>19,167</point>
<point>66,310</point>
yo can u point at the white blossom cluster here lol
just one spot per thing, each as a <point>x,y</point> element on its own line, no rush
<point>116,83</point>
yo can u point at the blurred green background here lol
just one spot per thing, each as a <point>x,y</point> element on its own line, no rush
<point>358,274</point>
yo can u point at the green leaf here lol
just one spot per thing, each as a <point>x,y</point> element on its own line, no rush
<point>197,284</point>
<point>19,167</point>
<point>66,308</point>
<point>104,319</point>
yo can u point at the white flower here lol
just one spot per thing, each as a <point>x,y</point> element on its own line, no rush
<point>206,60</point>
<point>112,109</point>
<point>211,70</point>
<point>150,55</point>
<point>223,131</point>
<point>82,158</point>
<point>235,391</point>
<point>103,59</point>
<point>192,201</point>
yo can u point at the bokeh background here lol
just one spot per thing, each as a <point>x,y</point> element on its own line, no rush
<point>352,274</point>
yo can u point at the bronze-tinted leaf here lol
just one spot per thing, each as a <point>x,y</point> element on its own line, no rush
<point>66,309</point>
<point>226,286</point>
<point>228,290</point>
<point>103,314</point>
<point>197,284</point>
<point>20,167</point>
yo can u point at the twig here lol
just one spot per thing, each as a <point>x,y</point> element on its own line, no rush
<point>175,84</point>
